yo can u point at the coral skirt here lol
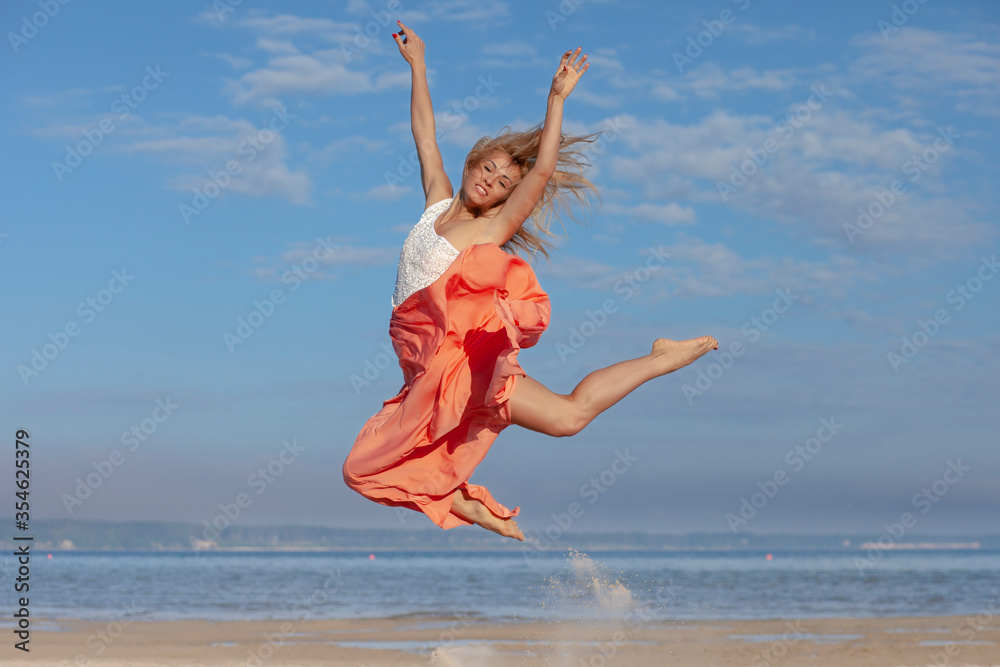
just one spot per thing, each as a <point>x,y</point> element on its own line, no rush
<point>457,342</point>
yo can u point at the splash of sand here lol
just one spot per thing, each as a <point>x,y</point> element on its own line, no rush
<point>588,588</point>
<point>592,613</point>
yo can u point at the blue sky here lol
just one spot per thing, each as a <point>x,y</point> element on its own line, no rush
<point>809,184</point>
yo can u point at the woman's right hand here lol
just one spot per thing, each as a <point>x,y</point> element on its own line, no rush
<point>413,48</point>
<point>569,73</point>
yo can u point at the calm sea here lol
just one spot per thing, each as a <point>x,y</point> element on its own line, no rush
<point>507,585</point>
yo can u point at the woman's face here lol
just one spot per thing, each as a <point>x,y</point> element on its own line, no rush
<point>490,182</point>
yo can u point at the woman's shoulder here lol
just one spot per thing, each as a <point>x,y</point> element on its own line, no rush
<point>436,208</point>
<point>438,203</point>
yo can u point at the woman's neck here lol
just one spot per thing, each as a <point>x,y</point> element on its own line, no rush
<point>459,210</point>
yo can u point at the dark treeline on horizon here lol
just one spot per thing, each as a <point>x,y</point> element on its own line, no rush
<point>65,534</point>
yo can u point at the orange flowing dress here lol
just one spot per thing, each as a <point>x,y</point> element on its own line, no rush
<point>457,341</point>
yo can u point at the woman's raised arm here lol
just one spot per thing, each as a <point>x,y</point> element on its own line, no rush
<point>528,191</point>
<point>432,175</point>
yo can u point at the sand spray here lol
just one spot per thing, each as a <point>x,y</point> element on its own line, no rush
<point>590,616</point>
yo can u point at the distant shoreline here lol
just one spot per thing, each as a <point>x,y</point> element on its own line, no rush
<point>921,546</point>
<point>166,536</point>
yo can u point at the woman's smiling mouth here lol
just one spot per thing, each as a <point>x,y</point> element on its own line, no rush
<point>481,189</point>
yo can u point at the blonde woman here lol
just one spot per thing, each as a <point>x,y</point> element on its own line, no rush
<point>465,304</point>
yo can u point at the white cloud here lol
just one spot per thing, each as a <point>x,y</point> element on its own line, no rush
<point>467,10</point>
<point>234,61</point>
<point>301,58</point>
<point>57,100</point>
<point>204,144</point>
<point>276,46</point>
<point>320,73</point>
<point>696,269</point>
<point>333,252</point>
<point>667,214</point>
<point>512,48</point>
<point>933,65</point>
<point>756,35</point>
<point>818,177</point>
<point>387,192</point>
<point>664,92</point>
<point>288,24</point>
<point>345,148</point>
<point>356,7</point>
<point>711,81</point>
<point>342,254</point>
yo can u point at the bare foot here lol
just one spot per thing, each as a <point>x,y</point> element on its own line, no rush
<point>673,354</point>
<point>473,510</point>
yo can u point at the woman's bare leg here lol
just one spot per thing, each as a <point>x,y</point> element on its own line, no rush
<point>473,510</point>
<point>535,407</point>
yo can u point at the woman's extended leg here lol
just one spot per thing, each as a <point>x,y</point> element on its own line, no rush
<point>535,407</point>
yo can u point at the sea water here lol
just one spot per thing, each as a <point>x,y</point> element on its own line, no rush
<point>507,585</point>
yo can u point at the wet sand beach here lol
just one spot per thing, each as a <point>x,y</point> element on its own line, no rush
<point>447,641</point>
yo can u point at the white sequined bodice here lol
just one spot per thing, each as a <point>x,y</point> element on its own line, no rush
<point>425,255</point>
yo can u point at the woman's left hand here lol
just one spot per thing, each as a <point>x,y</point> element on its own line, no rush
<point>570,71</point>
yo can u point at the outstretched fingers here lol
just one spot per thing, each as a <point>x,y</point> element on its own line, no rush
<point>569,62</point>
<point>403,30</point>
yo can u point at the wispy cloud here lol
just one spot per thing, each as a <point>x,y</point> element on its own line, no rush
<point>933,65</point>
<point>203,144</point>
<point>755,35</point>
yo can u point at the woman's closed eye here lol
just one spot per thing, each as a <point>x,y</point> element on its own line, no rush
<point>502,178</point>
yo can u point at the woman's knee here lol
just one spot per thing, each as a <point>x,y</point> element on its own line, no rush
<point>539,409</point>
<point>569,420</point>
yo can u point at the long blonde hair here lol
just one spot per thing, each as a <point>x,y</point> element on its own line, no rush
<point>522,148</point>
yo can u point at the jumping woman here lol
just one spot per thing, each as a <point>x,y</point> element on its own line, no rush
<point>464,305</point>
